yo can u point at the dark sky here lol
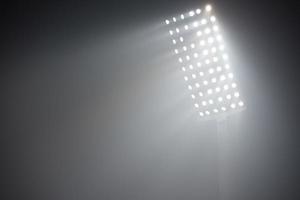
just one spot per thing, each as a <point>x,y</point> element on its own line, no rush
<point>93,107</point>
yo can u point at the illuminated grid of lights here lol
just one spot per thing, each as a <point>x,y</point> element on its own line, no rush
<point>201,53</point>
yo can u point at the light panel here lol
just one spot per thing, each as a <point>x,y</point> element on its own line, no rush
<point>200,50</point>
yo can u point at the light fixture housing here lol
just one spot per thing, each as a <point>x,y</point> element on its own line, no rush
<point>204,62</point>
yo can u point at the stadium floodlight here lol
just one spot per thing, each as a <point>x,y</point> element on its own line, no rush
<point>208,74</point>
<point>200,43</point>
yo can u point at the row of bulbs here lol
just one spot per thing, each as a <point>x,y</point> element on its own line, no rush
<point>192,13</point>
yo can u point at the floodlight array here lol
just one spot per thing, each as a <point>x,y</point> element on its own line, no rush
<point>200,50</point>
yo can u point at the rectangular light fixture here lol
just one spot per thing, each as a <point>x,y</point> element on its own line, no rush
<point>200,50</point>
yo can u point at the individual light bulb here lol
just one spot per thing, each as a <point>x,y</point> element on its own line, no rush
<point>174,19</point>
<point>218,89</point>
<point>199,33</point>
<point>191,13</point>
<point>201,73</point>
<point>236,94</point>
<point>201,114</point>
<point>204,103</point>
<point>183,69</point>
<point>174,41</point>
<point>233,106</point>
<point>193,96</point>
<point>195,24</point>
<point>241,104</point>
<point>181,39</point>
<point>184,48</point>
<point>203,21</point>
<point>196,105</point>
<point>176,51</point>
<point>200,94</point>
<point>228,96</point>
<point>167,22</point>
<point>171,32</point>
<point>208,8</point>
<point>198,11</point>
<point>190,87</point>
<point>233,85</point>
<point>186,27</point>
<point>215,28</point>
<point>191,66</point>
<point>220,99</point>
<point>192,45</point>
<point>186,78</point>
<point>210,101</point>
<point>182,16</point>
<point>213,19</point>
<point>180,60</point>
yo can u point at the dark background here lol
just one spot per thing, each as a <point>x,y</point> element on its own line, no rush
<point>93,108</point>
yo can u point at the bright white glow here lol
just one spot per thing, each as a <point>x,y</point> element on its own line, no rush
<point>213,19</point>
<point>219,68</point>
<point>227,66</point>
<point>202,42</point>
<point>195,24</point>
<point>215,28</point>
<point>207,30</point>
<point>203,21</point>
<point>226,87</point>
<point>180,60</point>
<point>216,110</point>
<point>210,40</point>
<point>184,48</point>
<point>174,19</point>
<point>233,85</point>
<point>186,78</point>
<point>204,103</point>
<point>219,38</point>
<point>211,70</point>
<point>233,106</point>
<point>228,96</point>
<point>171,32</point>
<point>223,108</point>
<point>200,94</point>
<point>241,104</point>
<point>187,57</point>
<point>176,51</point>
<point>208,8</point>
<point>190,87</point>
<point>207,61</point>
<point>225,56</point>
<point>186,27</point>
<point>209,91</point>
<point>199,33</point>
<point>183,69</point>
<point>236,94</point>
<point>195,55</point>
<point>221,47</point>
<point>220,99</point>
<point>193,76</point>
<point>213,80</point>
<point>205,52</point>
<point>215,59</point>
<point>167,22</point>
<point>201,114</point>
<point>201,73</point>
<point>177,30</point>
<point>181,39</point>
<point>191,66</point>
<point>214,50</point>
<point>191,13</point>
<point>198,11</point>
<point>197,85</point>
<point>182,16</point>
<point>210,101</point>
<point>218,89</point>
<point>193,96</point>
<point>192,45</point>
<point>222,77</point>
<point>196,105</point>
<point>205,82</point>
<point>207,112</point>
<point>174,41</point>
<point>199,64</point>
<point>230,75</point>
